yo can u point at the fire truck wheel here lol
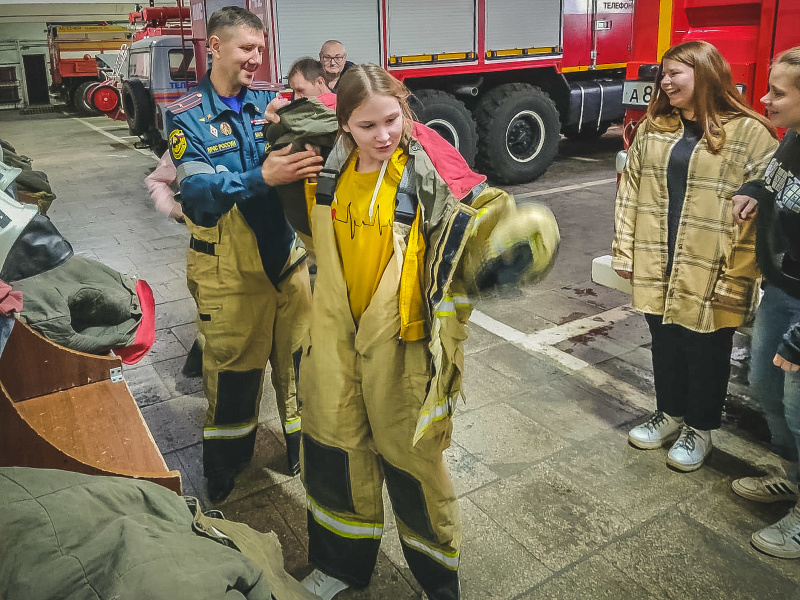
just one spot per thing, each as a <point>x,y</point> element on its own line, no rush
<point>587,133</point>
<point>518,132</point>
<point>448,117</point>
<point>136,104</point>
<point>80,100</point>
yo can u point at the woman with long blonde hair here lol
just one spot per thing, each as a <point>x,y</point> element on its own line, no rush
<point>403,229</point>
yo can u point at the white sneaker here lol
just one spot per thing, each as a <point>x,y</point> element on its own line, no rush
<point>781,539</point>
<point>654,432</point>
<point>691,449</point>
<point>769,488</point>
<point>324,586</point>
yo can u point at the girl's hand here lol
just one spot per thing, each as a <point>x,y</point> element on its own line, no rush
<point>318,151</point>
<point>744,208</point>
<point>784,364</point>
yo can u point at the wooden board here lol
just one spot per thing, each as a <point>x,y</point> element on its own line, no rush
<point>23,446</point>
<point>31,365</point>
<point>59,409</point>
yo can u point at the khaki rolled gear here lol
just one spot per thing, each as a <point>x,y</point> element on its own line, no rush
<point>304,121</point>
<point>246,321</point>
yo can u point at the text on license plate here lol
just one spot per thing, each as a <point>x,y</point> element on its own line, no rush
<point>637,93</point>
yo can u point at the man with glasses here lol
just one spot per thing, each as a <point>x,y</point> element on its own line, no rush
<point>334,61</point>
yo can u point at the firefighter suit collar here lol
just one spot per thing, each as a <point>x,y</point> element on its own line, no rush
<point>214,107</point>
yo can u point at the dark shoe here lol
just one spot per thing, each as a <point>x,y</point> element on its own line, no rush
<point>293,452</point>
<point>220,487</point>
<point>193,367</point>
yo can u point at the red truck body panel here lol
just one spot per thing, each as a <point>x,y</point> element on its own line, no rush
<point>749,33</point>
<point>612,45</point>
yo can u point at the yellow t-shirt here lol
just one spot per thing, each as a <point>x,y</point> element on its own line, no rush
<point>365,243</point>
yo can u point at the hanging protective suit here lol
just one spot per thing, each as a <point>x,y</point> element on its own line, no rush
<point>245,270</point>
<point>380,381</point>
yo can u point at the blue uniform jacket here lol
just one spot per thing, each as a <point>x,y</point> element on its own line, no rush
<point>218,155</point>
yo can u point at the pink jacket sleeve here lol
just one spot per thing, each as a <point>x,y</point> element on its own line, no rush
<point>158,184</point>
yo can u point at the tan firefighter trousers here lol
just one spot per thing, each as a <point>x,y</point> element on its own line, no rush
<point>361,392</point>
<point>246,321</point>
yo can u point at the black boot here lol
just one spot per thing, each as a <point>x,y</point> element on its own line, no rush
<point>293,451</point>
<point>220,485</point>
<point>193,367</point>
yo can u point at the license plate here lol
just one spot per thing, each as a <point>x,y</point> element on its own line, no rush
<point>637,93</point>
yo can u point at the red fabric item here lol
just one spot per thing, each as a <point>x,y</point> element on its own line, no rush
<point>10,301</point>
<point>450,165</point>
<point>328,99</point>
<point>145,332</point>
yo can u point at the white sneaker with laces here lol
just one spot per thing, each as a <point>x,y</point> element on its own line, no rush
<point>324,586</point>
<point>782,539</point>
<point>691,449</point>
<point>655,431</point>
<point>769,488</point>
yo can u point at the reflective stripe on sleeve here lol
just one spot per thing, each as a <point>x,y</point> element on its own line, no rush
<point>461,301</point>
<point>446,307</point>
<point>292,425</point>
<point>442,410</point>
<point>225,432</point>
<point>194,167</point>
<point>347,528</point>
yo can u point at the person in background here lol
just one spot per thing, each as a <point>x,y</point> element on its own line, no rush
<point>693,273</point>
<point>245,266</point>
<point>160,186</point>
<point>307,78</point>
<point>775,351</point>
<point>333,57</point>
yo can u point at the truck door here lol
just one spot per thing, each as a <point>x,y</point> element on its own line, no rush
<point>611,31</point>
<point>304,25</point>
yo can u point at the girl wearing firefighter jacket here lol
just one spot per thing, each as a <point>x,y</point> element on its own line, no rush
<point>403,229</point>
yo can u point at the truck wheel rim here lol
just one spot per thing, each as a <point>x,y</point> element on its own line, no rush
<point>105,99</point>
<point>446,130</point>
<point>525,136</point>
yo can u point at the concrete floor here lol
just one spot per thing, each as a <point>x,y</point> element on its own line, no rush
<point>555,504</point>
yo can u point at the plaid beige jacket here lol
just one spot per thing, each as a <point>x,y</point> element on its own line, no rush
<point>714,279</point>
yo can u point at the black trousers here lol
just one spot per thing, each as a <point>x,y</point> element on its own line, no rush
<point>691,371</point>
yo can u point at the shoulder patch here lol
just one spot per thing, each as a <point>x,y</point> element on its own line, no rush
<point>177,143</point>
<point>185,103</point>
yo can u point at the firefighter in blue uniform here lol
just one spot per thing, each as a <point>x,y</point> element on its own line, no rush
<point>245,265</point>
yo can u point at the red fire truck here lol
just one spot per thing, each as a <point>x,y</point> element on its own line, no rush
<point>749,33</point>
<point>73,66</point>
<point>500,79</point>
